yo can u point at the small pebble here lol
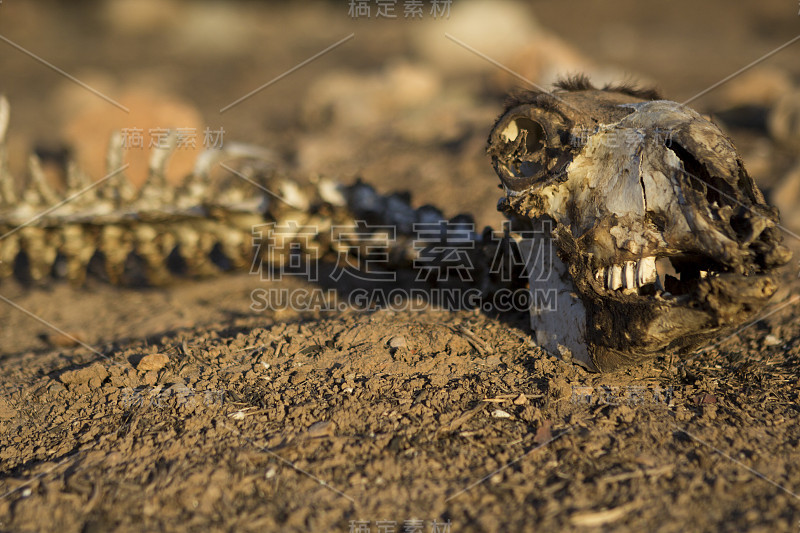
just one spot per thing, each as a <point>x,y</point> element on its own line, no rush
<point>65,339</point>
<point>93,375</point>
<point>772,340</point>
<point>499,413</point>
<point>397,342</point>
<point>784,120</point>
<point>7,412</point>
<point>493,360</point>
<point>320,429</point>
<point>153,361</point>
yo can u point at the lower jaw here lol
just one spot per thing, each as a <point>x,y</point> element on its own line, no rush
<point>586,324</point>
<point>673,326</point>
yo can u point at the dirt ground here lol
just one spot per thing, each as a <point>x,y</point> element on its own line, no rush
<point>187,409</point>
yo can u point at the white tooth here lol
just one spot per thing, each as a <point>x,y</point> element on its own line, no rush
<point>614,277</point>
<point>703,274</point>
<point>646,271</point>
<point>629,275</point>
<point>600,274</point>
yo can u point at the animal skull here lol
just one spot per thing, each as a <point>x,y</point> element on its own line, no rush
<point>660,240</point>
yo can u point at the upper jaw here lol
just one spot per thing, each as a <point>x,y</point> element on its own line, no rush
<point>669,272</point>
<point>657,280</point>
<point>671,278</point>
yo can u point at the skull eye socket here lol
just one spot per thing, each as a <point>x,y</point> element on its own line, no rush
<point>521,157</point>
<point>532,131</point>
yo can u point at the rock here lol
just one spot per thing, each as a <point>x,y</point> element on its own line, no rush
<point>772,340</point>
<point>397,342</point>
<point>786,197</point>
<point>760,86</point>
<point>151,377</point>
<point>493,361</point>
<point>92,375</point>
<point>321,429</point>
<point>64,339</point>
<point>494,28</point>
<point>356,100</point>
<point>153,361</point>
<point>544,433</point>
<point>140,17</point>
<point>784,120</point>
<point>543,60</point>
<point>6,411</point>
<point>151,113</point>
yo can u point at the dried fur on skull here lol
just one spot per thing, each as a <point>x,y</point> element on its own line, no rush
<point>660,238</point>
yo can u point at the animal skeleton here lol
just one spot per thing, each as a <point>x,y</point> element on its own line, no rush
<point>653,247</point>
<point>205,226</point>
<point>662,239</point>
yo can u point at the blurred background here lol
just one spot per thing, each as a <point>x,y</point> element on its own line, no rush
<point>399,103</point>
<point>348,92</point>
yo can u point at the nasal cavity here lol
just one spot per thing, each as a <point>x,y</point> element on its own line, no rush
<point>716,190</point>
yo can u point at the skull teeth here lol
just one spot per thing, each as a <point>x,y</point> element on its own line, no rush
<point>614,277</point>
<point>629,277</point>
<point>632,275</point>
<point>646,271</point>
